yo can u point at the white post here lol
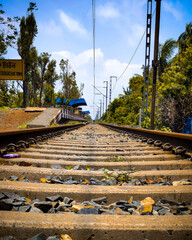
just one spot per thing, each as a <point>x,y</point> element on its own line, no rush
<point>140,118</point>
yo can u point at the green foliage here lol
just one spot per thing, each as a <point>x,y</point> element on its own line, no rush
<point>125,109</point>
<point>70,89</point>
<point>166,129</point>
<point>4,109</point>
<point>54,125</point>
<point>119,176</point>
<point>73,122</point>
<point>8,32</point>
<point>69,167</point>
<point>40,72</point>
<point>23,126</point>
<point>28,32</point>
<point>113,159</point>
<point>185,39</point>
<point>174,90</point>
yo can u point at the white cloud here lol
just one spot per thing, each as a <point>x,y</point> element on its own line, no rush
<point>72,24</point>
<point>170,8</point>
<point>107,11</point>
<point>50,28</point>
<point>82,64</point>
<point>80,59</point>
<point>135,34</point>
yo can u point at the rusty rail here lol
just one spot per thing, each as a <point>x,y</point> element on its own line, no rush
<point>174,139</point>
<point>7,137</point>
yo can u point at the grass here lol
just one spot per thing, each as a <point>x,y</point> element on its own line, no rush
<point>4,109</point>
<point>113,159</point>
<point>23,126</point>
<point>68,167</point>
<point>54,125</point>
<point>119,176</point>
<point>73,122</point>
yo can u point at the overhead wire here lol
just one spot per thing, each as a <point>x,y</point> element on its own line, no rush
<point>132,55</point>
<point>99,91</point>
<point>93,22</point>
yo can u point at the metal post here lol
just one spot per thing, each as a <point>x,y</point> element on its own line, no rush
<point>106,93</point>
<point>140,117</point>
<point>147,58</point>
<point>155,61</point>
<point>110,88</point>
<point>100,108</point>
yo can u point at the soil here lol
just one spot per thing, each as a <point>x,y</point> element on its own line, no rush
<point>12,118</point>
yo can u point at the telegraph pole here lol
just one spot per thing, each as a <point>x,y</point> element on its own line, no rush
<point>147,58</point>
<point>100,108</point>
<point>155,61</point>
<point>110,87</point>
<point>106,93</point>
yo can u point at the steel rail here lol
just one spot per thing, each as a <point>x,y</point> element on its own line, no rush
<point>175,139</point>
<point>7,137</point>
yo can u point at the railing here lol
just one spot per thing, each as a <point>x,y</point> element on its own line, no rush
<point>66,114</point>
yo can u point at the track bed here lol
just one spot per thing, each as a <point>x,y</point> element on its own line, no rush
<point>95,183</point>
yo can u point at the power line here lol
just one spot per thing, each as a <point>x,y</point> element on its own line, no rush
<point>93,22</point>
<point>132,55</point>
<point>99,91</point>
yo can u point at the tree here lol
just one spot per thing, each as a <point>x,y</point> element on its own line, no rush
<point>125,109</point>
<point>70,89</point>
<point>4,95</point>
<point>28,32</point>
<point>185,39</point>
<point>43,60</point>
<point>8,32</point>
<point>34,76</point>
<point>176,91</point>
<point>51,77</point>
<point>165,53</point>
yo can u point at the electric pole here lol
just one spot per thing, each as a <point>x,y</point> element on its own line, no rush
<point>155,61</point>
<point>100,108</point>
<point>110,87</point>
<point>106,93</point>
<point>147,58</point>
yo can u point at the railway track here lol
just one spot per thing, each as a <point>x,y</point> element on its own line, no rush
<point>96,183</point>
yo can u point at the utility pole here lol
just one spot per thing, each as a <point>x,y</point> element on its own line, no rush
<point>100,108</point>
<point>155,61</point>
<point>147,58</point>
<point>110,87</point>
<point>140,118</point>
<point>106,93</point>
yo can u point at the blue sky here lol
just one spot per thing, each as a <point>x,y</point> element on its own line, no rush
<point>65,31</point>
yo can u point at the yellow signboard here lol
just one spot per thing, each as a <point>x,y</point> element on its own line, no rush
<point>12,70</point>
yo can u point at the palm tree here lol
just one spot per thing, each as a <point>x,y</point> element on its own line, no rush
<point>165,53</point>
<point>185,39</point>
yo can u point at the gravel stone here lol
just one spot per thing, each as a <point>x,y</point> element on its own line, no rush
<point>43,206</point>
<point>6,205</point>
<point>67,200</point>
<point>25,208</point>
<point>111,181</point>
<point>54,198</point>
<point>35,210</point>
<point>8,238</point>
<point>40,236</point>
<point>99,200</point>
<point>88,211</point>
